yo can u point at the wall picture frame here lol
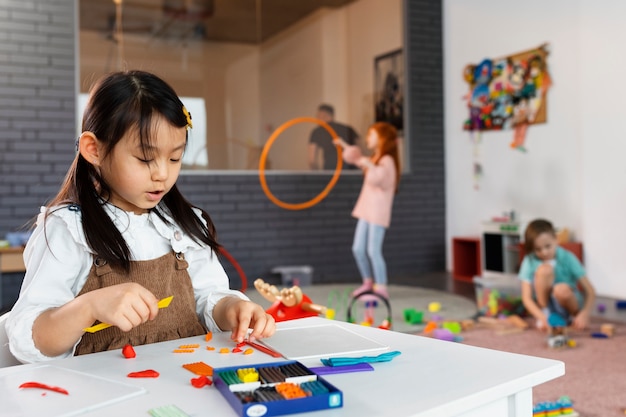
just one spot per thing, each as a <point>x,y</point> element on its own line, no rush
<point>389,84</point>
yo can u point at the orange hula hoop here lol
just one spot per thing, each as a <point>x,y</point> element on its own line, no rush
<point>263,161</point>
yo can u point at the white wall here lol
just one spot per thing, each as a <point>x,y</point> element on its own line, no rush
<point>571,173</point>
<point>603,129</point>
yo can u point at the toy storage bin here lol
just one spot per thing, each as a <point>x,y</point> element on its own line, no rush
<point>498,294</point>
<point>301,275</point>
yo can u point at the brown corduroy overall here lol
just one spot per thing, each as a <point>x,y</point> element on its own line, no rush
<point>164,276</point>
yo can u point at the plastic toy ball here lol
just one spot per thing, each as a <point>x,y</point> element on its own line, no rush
<point>434,307</point>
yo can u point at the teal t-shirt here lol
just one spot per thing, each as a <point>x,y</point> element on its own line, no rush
<point>567,269</point>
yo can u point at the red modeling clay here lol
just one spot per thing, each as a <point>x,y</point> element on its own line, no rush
<point>128,352</point>
<point>200,381</point>
<point>148,373</point>
<point>44,386</point>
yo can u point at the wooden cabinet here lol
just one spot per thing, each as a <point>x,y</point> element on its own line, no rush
<point>466,258</point>
<point>11,260</point>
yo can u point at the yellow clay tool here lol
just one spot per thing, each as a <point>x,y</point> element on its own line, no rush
<point>101,326</point>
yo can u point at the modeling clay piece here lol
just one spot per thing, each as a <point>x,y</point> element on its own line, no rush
<point>183,350</point>
<point>101,326</point>
<point>383,357</point>
<point>200,381</point>
<point>199,368</point>
<point>264,349</point>
<point>128,352</point>
<point>44,386</point>
<point>148,373</point>
<point>192,346</point>
<point>208,337</point>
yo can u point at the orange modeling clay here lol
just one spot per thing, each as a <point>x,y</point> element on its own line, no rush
<point>148,373</point>
<point>199,368</point>
<point>44,386</point>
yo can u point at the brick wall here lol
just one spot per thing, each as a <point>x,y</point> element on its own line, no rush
<point>37,76</point>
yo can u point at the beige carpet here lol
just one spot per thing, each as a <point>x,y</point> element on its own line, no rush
<point>337,297</point>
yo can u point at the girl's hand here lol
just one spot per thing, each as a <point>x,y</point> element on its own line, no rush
<point>240,315</point>
<point>125,305</point>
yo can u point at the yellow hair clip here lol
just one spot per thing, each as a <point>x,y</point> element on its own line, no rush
<point>188,116</point>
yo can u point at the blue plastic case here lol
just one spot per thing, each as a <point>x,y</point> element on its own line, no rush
<point>250,399</point>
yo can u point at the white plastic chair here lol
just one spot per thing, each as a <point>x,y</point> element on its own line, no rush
<point>6,357</point>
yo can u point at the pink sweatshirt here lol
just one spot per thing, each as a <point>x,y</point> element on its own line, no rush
<point>376,198</point>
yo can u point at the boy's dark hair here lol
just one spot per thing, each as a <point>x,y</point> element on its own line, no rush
<point>118,102</point>
<point>327,108</point>
<point>533,230</point>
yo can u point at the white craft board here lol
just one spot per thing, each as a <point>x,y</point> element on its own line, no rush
<point>328,340</point>
<point>86,392</point>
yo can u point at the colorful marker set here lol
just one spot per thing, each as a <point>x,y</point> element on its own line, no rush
<point>275,389</point>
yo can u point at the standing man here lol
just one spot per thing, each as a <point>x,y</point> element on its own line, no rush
<point>321,141</point>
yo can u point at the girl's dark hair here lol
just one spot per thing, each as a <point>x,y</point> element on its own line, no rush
<point>119,102</point>
<point>533,230</point>
<point>387,145</point>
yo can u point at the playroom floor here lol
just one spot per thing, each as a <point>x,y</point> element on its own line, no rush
<point>443,281</point>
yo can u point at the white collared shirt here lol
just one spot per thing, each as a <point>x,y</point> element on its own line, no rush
<point>58,260</point>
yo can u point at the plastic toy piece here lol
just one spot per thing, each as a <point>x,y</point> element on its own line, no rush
<point>44,386</point>
<point>430,326</point>
<point>128,352</point>
<point>148,373</point>
<point>201,381</point>
<point>199,368</point>
<point>413,316</point>
<point>608,329</point>
<point>184,350</point>
<point>434,307</point>
<point>288,303</point>
<point>165,302</point>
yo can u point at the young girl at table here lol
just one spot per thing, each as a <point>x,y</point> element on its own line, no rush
<point>119,236</point>
<point>374,204</point>
<point>554,282</point>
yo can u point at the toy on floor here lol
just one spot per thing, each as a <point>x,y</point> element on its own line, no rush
<point>289,303</point>
<point>370,299</point>
<point>561,407</point>
<point>558,337</point>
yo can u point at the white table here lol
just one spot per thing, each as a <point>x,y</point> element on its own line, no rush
<point>431,378</point>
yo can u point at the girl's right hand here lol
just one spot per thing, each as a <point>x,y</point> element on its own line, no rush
<point>124,305</point>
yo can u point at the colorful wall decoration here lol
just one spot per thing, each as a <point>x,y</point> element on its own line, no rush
<point>508,93</point>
